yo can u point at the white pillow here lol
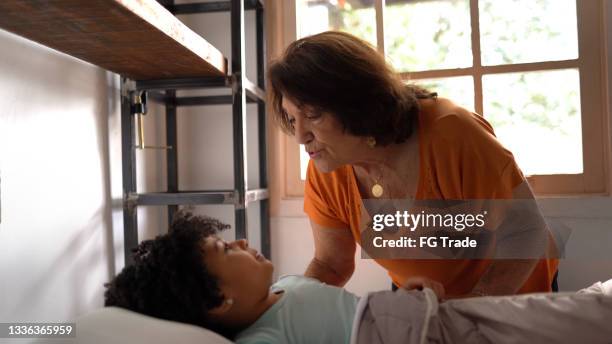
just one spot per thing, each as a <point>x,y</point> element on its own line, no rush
<point>117,325</point>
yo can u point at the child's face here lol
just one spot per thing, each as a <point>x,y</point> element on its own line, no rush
<point>244,275</point>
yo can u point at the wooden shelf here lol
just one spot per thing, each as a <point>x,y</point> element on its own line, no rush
<point>139,39</point>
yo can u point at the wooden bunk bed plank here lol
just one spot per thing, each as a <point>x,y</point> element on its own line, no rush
<point>139,39</point>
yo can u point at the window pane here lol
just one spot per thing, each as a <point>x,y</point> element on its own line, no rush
<point>425,35</point>
<point>520,31</point>
<point>458,89</point>
<point>537,116</point>
<point>316,16</point>
<point>304,158</point>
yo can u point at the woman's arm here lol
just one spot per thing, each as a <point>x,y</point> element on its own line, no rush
<point>334,258</point>
<point>504,277</point>
<point>507,276</point>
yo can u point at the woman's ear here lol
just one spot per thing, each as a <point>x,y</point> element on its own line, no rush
<point>223,308</point>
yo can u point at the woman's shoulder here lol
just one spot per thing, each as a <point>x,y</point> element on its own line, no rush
<point>441,118</point>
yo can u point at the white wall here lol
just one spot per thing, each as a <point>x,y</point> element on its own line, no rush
<point>56,237</point>
<point>61,231</point>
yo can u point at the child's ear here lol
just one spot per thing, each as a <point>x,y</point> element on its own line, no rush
<point>223,308</point>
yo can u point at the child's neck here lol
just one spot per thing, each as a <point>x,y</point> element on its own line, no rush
<point>262,307</point>
<point>241,319</point>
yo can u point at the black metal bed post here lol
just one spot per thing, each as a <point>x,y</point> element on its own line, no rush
<point>264,206</point>
<point>238,116</point>
<point>171,141</point>
<point>172,151</point>
<point>128,157</point>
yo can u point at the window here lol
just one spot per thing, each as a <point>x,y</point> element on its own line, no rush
<point>533,68</point>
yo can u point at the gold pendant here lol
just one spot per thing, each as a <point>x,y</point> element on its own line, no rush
<point>377,190</point>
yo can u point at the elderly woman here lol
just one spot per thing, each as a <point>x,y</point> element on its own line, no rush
<point>370,136</point>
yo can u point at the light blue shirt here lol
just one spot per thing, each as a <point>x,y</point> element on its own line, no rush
<point>308,312</point>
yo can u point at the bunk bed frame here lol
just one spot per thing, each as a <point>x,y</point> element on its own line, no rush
<point>156,55</point>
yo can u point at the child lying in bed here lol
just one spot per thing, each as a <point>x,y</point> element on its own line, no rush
<point>190,275</point>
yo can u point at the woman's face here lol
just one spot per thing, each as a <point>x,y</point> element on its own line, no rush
<point>323,137</point>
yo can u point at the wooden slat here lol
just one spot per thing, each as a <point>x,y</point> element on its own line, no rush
<point>139,39</point>
<point>500,69</point>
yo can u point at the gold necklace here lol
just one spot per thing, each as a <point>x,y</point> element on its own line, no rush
<point>377,189</point>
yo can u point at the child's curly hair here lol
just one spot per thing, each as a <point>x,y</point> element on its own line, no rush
<point>169,278</point>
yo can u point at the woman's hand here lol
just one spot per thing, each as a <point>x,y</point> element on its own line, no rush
<point>424,282</point>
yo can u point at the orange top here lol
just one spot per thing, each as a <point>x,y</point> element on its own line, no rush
<point>460,158</point>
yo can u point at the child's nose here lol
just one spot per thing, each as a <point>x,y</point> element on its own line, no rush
<point>242,243</point>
